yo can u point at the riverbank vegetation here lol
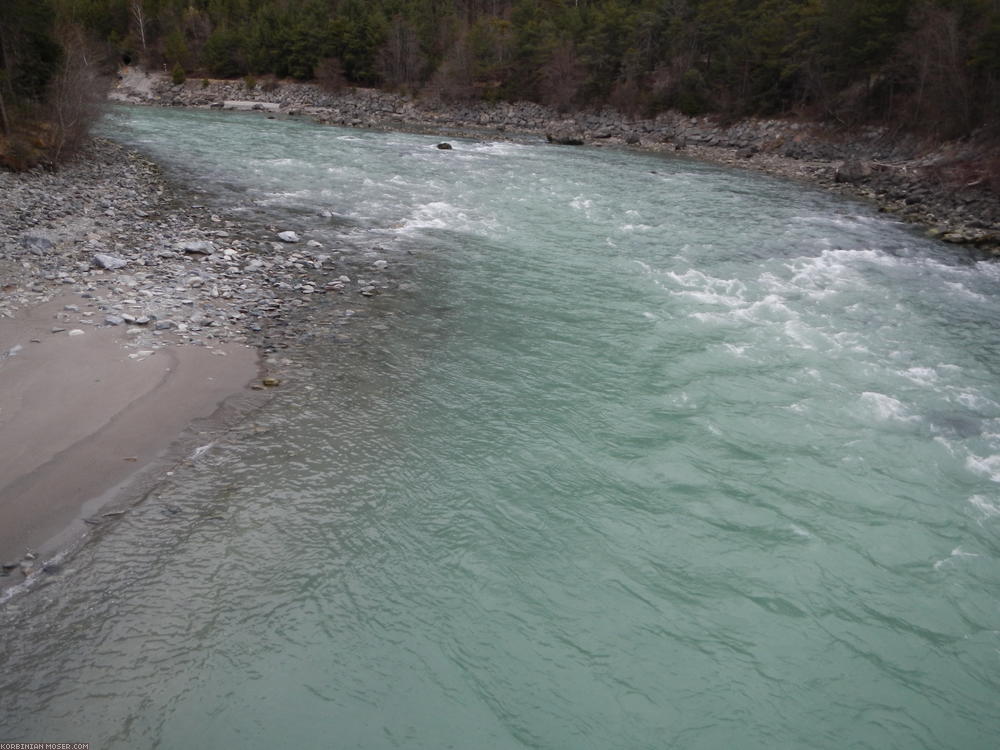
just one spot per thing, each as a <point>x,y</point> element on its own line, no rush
<point>51,89</point>
<point>930,66</point>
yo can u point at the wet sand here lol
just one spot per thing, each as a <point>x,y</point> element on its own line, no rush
<point>80,419</point>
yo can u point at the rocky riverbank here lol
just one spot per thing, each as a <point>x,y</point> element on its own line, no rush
<point>110,227</point>
<point>951,189</point>
<point>129,313</point>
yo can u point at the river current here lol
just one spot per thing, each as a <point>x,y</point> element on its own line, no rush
<point>642,453</point>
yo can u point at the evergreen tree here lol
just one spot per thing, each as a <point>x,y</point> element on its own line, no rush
<point>846,58</point>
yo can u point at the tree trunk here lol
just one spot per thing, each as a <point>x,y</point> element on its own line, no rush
<point>5,62</point>
<point>140,21</point>
<point>4,123</point>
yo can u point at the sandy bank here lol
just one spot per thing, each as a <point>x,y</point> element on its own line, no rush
<point>82,415</point>
<point>176,307</point>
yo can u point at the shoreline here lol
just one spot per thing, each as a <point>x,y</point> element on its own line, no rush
<point>944,188</point>
<point>136,328</point>
<point>88,425</point>
<point>133,321</point>
<point>104,384</point>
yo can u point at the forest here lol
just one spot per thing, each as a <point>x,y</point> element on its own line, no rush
<point>928,66</point>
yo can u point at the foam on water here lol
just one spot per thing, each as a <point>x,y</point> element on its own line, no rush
<point>442,215</point>
<point>926,376</point>
<point>886,407</point>
<point>502,148</point>
<point>956,555</point>
<point>989,508</point>
<point>986,465</point>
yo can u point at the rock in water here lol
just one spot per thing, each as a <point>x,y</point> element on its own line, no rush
<point>109,262</point>
<point>288,237</point>
<point>565,137</point>
<point>444,146</point>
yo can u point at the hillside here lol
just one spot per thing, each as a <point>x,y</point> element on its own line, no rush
<point>931,67</point>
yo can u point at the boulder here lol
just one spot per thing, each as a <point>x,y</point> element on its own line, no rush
<point>36,243</point>
<point>109,262</point>
<point>565,134</point>
<point>852,172</point>
<point>288,236</point>
<point>444,146</point>
<point>197,247</point>
<point>250,106</point>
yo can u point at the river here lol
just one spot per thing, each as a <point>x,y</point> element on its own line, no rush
<point>641,453</point>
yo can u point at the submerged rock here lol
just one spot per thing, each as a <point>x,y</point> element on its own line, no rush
<point>288,236</point>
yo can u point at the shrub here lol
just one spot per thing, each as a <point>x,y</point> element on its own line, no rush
<point>178,76</point>
<point>76,96</point>
<point>204,83</point>
<point>250,82</point>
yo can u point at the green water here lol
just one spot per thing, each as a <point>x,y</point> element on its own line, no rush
<point>642,454</point>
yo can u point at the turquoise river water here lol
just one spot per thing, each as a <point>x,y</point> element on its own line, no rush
<point>642,453</point>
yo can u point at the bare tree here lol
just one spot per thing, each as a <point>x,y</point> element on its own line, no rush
<point>77,95</point>
<point>329,74</point>
<point>400,59</point>
<point>453,79</point>
<point>4,121</point>
<point>936,53</point>
<point>139,16</point>
<point>562,77</point>
<point>6,64</point>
